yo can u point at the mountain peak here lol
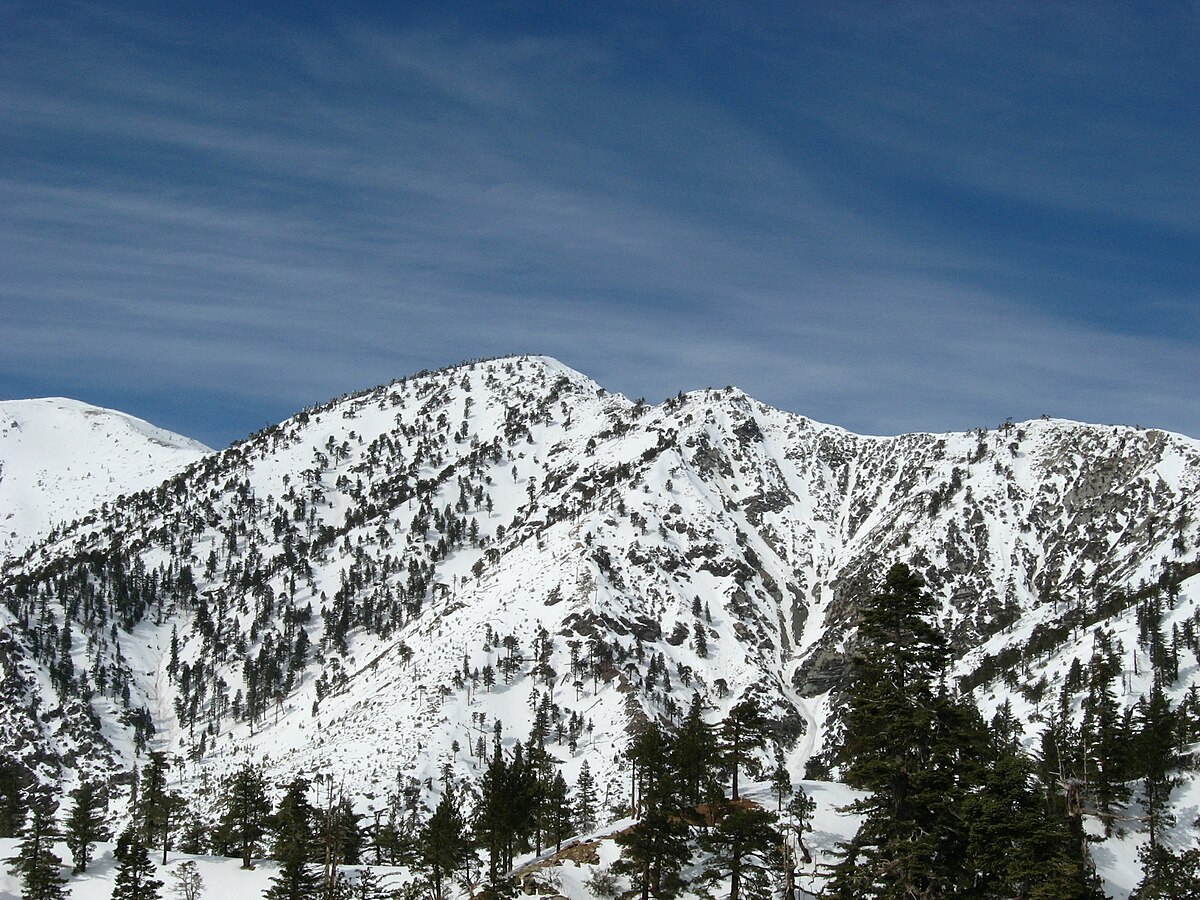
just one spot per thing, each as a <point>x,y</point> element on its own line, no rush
<point>60,458</point>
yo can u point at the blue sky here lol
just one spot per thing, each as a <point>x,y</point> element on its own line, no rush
<point>888,216</point>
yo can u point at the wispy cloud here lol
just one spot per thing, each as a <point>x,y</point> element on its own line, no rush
<point>281,213</point>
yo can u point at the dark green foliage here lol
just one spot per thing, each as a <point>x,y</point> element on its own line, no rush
<point>443,844</point>
<point>1166,876</point>
<point>1156,756</point>
<point>954,810</point>
<point>396,836</point>
<point>653,854</point>
<point>368,887</point>
<point>85,824</point>
<point>781,784</point>
<point>505,809</point>
<point>293,822</point>
<point>558,819</point>
<point>695,756</point>
<point>36,863</point>
<point>1013,848</point>
<point>1106,739</point>
<point>158,808</point>
<point>655,784</point>
<point>800,810</point>
<point>893,747</point>
<point>15,780</point>
<point>294,845</point>
<point>244,823</point>
<point>741,843</point>
<point>585,799</point>
<point>135,872</point>
<point>295,880</point>
<point>742,732</point>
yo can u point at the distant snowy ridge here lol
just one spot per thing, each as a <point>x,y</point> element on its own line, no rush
<point>61,458</point>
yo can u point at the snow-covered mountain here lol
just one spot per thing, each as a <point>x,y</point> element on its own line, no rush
<point>376,584</point>
<point>61,458</point>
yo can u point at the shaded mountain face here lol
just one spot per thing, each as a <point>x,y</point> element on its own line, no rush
<point>60,459</point>
<point>375,586</point>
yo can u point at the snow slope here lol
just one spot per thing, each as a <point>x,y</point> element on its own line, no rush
<point>61,458</point>
<point>353,571</point>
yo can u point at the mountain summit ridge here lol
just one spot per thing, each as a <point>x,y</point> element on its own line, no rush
<point>333,591</point>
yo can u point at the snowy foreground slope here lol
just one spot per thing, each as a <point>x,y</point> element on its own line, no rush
<point>61,458</point>
<point>372,587</point>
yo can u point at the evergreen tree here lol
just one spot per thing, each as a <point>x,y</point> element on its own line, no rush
<point>781,784</point>
<point>653,777</point>
<point>585,799</point>
<point>1157,757</point>
<point>158,807</point>
<point>15,779</point>
<point>36,863</point>
<point>135,872</point>
<point>247,812</point>
<point>1166,876</point>
<point>368,886</point>
<point>653,854</point>
<point>443,844</point>
<point>801,809</point>
<point>1104,740</point>
<point>894,721</point>
<point>742,732</point>
<point>294,841</point>
<point>1014,848</point>
<point>741,844</point>
<point>85,824</point>
<point>696,756</point>
<point>396,837</point>
<point>500,810</point>
<point>558,812</point>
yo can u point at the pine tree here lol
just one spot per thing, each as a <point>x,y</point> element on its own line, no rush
<point>558,818</point>
<point>135,872</point>
<point>36,863</point>
<point>900,745</point>
<point>781,784</point>
<point>696,756</point>
<point>158,807</point>
<point>15,780</point>
<point>742,732</point>
<point>247,812</point>
<point>293,828</point>
<point>443,843</point>
<point>1013,844</point>
<point>1155,747</point>
<point>497,813</point>
<point>741,844</point>
<point>85,824</point>
<point>653,854</point>
<point>1104,741</point>
<point>585,799</point>
<point>654,780</point>
<point>801,809</point>
<point>368,886</point>
<point>1166,876</point>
